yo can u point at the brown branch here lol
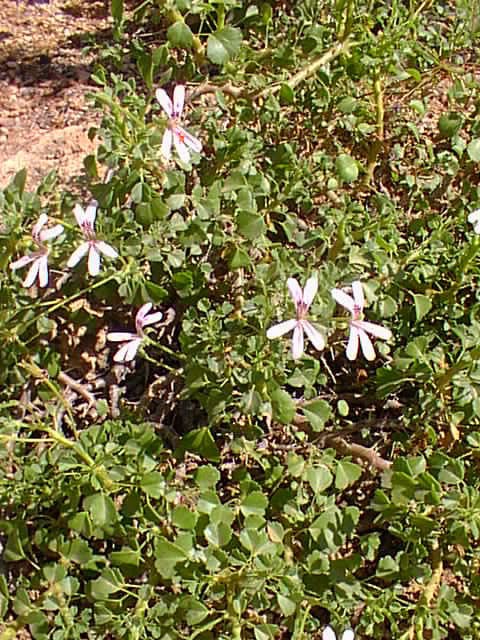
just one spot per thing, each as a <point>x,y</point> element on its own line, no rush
<point>358,451</point>
<point>78,387</point>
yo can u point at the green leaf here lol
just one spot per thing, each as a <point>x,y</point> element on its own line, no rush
<point>286,605</point>
<point>109,582</point>
<point>347,473</point>
<point>102,509</point>
<point>183,518</point>
<point>473,150</point>
<point>319,478</point>
<point>153,483</point>
<point>16,542</point>
<point>422,305</point>
<point>218,534</point>
<point>179,35</point>
<point>317,413</point>
<point>224,44</point>
<point>251,225</point>
<point>449,124</point>
<point>266,631</point>
<point>346,168</point>
<point>283,406</point>
<point>201,442</point>
<point>254,503</point>
<point>117,10</point>
<point>207,476</point>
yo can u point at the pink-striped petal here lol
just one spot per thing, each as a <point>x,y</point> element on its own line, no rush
<point>152,318</point>
<point>329,634</point>
<point>93,260</point>
<point>32,274</point>
<point>50,234</point>
<point>121,336</point>
<point>352,346</point>
<point>166,148</point>
<point>165,102</point>
<point>141,313</point>
<point>183,152</point>
<point>178,100</point>
<point>374,329</point>
<point>43,270</point>
<point>310,290</point>
<point>106,249</point>
<point>367,346</point>
<point>348,634</point>
<point>295,291</point>
<point>78,254</point>
<point>128,351</point>
<point>281,329</point>
<point>37,227</point>
<point>357,290</point>
<point>191,141</point>
<point>344,299</point>
<point>91,214</point>
<point>314,335</point>
<point>79,214</point>
<point>23,261</point>
<point>297,342</point>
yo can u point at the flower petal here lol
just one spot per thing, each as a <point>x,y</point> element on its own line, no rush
<point>474,216</point>
<point>165,102</point>
<point>91,214</point>
<point>358,296</point>
<point>79,214</point>
<point>166,148</point>
<point>93,260</point>
<point>78,254</point>
<point>352,346</point>
<point>344,299</point>
<point>39,224</point>
<point>328,634</point>
<point>23,261</point>
<point>374,329</point>
<point>43,270</point>
<point>191,141</point>
<point>314,335</point>
<point>281,329</point>
<point>121,336</point>
<point>295,291</point>
<point>183,152</point>
<point>178,100</point>
<point>50,234</point>
<point>132,349</point>
<point>141,313</point>
<point>348,634</point>
<point>152,318</point>
<point>127,352</point>
<point>32,274</point>
<point>106,249</point>
<point>367,346</point>
<point>310,290</point>
<point>297,342</point>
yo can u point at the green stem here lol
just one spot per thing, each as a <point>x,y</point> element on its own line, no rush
<point>310,69</point>
<point>99,471</point>
<point>380,125</point>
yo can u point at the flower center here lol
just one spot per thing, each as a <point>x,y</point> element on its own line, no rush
<point>357,312</point>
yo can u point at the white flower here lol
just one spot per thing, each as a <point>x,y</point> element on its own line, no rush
<point>92,246</point>
<point>38,259</point>
<point>474,218</point>
<point>359,329</point>
<point>174,133</point>
<point>329,634</point>
<point>302,300</point>
<point>128,351</point>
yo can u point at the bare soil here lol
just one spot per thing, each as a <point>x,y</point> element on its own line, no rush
<point>44,76</point>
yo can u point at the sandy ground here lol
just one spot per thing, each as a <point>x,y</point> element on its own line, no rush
<point>44,75</point>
